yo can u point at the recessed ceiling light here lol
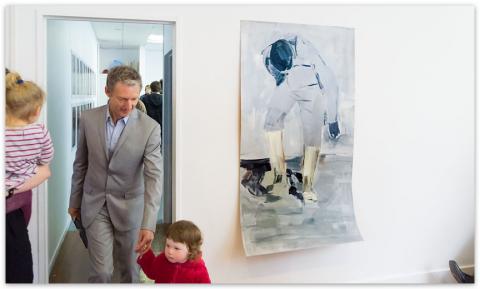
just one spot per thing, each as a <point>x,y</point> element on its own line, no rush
<point>155,38</point>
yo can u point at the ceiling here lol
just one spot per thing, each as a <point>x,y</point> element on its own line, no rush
<point>125,35</point>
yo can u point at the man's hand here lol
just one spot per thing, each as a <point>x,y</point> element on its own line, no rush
<point>74,213</point>
<point>144,243</point>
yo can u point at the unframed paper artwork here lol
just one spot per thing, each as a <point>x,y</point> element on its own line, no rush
<point>297,108</point>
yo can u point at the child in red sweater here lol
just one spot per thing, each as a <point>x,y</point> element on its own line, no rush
<point>181,262</point>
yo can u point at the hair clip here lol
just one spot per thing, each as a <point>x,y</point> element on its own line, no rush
<point>20,81</point>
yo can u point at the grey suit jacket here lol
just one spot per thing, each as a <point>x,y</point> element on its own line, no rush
<point>130,182</point>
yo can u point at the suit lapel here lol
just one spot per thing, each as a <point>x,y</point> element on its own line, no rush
<point>132,119</point>
<point>103,130</point>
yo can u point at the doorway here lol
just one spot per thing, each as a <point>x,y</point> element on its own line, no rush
<point>79,55</point>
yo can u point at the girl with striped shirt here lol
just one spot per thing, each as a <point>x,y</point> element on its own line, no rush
<point>28,152</point>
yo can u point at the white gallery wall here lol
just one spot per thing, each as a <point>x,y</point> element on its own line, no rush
<point>64,39</point>
<point>153,63</point>
<point>413,171</point>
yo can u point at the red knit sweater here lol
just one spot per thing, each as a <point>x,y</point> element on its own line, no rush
<point>161,270</point>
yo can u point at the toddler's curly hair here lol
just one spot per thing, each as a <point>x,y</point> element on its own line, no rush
<point>188,233</point>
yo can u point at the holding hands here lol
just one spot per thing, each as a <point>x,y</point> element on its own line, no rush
<point>144,243</point>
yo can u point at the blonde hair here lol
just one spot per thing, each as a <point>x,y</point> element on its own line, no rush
<point>23,98</point>
<point>188,233</point>
<point>148,90</point>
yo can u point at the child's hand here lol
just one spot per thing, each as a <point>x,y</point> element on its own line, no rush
<point>140,255</point>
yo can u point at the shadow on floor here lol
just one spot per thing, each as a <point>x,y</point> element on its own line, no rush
<point>71,264</point>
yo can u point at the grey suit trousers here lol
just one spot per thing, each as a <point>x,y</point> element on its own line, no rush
<point>105,256</point>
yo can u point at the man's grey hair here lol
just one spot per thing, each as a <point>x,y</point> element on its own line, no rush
<point>124,74</point>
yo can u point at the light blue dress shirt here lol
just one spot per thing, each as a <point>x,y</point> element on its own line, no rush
<point>113,131</point>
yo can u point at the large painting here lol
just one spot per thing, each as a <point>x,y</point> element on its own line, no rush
<point>297,130</point>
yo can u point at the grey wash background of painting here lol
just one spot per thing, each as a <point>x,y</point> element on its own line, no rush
<point>271,224</point>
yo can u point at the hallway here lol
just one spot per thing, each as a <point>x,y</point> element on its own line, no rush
<point>71,264</point>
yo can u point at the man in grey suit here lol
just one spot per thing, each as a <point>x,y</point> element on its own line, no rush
<point>117,179</point>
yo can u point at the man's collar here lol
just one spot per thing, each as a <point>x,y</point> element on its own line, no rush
<point>108,117</point>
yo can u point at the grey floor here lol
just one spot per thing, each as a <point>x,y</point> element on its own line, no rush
<point>71,264</point>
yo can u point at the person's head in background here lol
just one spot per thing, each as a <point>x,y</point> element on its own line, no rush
<point>183,243</point>
<point>123,90</point>
<point>148,90</point>
<point>155,86</point>
<point>24,100</point>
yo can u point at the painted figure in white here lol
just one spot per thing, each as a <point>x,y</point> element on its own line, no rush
<point>301,78</point>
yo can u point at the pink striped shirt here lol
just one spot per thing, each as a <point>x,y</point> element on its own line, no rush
<point>25,148</point>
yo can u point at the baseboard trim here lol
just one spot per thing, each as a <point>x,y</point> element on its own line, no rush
<point>57,248</point>
<point>441,276</point>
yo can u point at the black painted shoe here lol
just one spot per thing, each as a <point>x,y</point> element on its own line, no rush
<point>458,274</point>
<point>293,191</point>
<point>254,188</point>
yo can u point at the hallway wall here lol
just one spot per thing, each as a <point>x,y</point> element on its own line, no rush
<point>64,38</point>
<point>107,56</point>
<point>153,62</point>
<point>413,172</point>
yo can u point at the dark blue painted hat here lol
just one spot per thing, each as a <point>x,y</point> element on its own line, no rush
<point>281,55</point>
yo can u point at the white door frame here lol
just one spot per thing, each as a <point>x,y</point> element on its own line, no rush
<point>25,51</point>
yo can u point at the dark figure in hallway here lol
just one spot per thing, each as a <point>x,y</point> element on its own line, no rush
<point>28,152</point>
<point>117,179</point>
<point>153,102</point>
